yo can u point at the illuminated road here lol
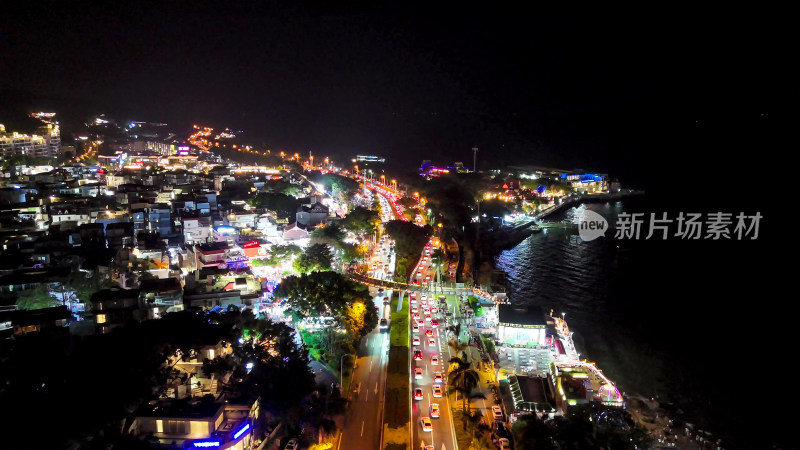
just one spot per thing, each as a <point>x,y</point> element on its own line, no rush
<point>442,435</point>
<point>364,417</point>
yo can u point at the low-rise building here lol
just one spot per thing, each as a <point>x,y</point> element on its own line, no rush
<point>311,216</point>
<point>197,423</point>
<point>212,255</point>
<point>196,230</point>
<point>160,296</point>
<point>111,308</point>
<point>521,326</point>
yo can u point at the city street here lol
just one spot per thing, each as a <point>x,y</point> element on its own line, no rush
<point>362,422</point>
<point>442,435</point>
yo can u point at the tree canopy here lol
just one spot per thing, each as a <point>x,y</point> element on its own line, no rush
<point>317,257</point>
<point>409,239</point>
<point>329,294</point>
<point>361,221</point>
<point>284,206</point>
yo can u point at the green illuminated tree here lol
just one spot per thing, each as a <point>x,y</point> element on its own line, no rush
<point>317,257</point>
<point>37,298</point>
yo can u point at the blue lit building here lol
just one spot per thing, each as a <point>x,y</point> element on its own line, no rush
<point>586,183</point>
<point>198,423</point>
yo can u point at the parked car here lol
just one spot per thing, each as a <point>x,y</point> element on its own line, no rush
<point>292,445</point>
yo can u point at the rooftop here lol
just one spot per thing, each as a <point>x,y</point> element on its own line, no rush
<point>521,315</point>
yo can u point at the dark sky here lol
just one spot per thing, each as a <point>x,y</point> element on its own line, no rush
<point>611,90</point>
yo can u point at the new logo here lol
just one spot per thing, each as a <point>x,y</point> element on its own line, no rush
<point>592,225</point>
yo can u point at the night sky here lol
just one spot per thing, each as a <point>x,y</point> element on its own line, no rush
<point>600,89</point>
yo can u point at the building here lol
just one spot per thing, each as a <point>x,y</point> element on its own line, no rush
<point>521,326</point>
<point>369,159</point>
<point>46,143</point>
<point>196,230</point>
<point>295,232</point>
<point>197,423</point>
<point>212,255</point>
<point>113,307</point>
<point>311,216</point>
<point>160,296</point>
<point>586,183</point>
<point>35,320</point>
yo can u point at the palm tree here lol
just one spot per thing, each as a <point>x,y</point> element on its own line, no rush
<point>437,259</point>
<point>455,329</point>
<point>457,347</point>
<point>471,418</point>
<point>320,408</point>
<point>463,379</point>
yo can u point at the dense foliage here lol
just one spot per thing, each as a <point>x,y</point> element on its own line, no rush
<point>83,388</point>
<point>588,426</point>
<point>284,206</point>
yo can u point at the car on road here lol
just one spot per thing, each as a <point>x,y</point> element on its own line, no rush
<point>423,297</point>
<point>384,324</point>
<point>434,323</point>
<point>418,394</point>
<point>426,423</point>
<point>434,360</point>
<point>418,355</point>
<point>504,444</point>
<point>414,310</point>
<point>434,310</point>
<point>292,445</point>
<point>418,373</point>
<point>385,300</point>
<point>427,317</point>
<point>437,377</point>
<point>500,429</point>
<point>437,390</point>
<point>497,413</point>
<point>434,410</point>
<point>431,342</point>
<point>415,328</point>
<point>415,341</point>
<point>415,316</point>
<point>429,333</point>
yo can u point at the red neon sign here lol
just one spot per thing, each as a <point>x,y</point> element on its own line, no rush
<point>251,244</point>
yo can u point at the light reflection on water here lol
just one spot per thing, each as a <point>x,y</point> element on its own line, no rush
<point>556,270</point>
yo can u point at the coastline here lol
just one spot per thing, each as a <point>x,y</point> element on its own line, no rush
<point>666,422</point>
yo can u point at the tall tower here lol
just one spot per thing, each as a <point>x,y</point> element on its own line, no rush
<point>474,159</point>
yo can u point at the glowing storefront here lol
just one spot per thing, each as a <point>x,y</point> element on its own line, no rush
<point>521,326</point>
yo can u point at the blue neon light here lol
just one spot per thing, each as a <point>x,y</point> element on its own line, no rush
<point>205,444</point>
<point>241,431</point>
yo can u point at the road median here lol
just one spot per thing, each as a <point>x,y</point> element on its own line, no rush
<point>397,409</point>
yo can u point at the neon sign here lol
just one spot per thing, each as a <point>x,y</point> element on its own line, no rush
<point>241,431</point>
<point>206,444</point>
<point>251,244</point>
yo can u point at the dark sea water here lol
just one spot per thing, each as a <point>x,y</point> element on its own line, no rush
<point>696,323</point>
